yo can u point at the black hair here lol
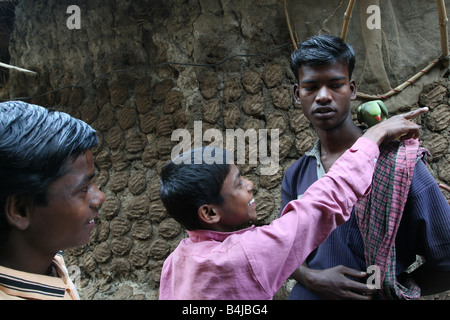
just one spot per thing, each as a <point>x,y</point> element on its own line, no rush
<point>186,186</point>
<point>323,49</point>
<point>35,144</point>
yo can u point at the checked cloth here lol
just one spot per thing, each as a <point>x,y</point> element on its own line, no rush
<point>380,212</point>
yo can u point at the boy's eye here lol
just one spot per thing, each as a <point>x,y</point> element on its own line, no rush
<point>309,88</point>
<point>86,188</point>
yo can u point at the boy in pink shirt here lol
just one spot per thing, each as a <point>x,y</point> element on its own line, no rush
<point>221,261</point>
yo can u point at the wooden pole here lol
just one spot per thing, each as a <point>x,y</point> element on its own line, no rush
<point>8,66</point>
<point>289,26</point>
<point>443,21</point>
<point>347,16</point>
<point>400,87</point>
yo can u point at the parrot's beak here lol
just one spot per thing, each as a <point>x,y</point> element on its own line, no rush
<point>378,118</point>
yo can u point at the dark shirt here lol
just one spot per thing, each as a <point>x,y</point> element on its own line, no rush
<point>424,229</point>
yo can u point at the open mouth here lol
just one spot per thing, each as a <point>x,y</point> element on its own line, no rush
<point>91,222</point>
<point>323,109</point>
<point>90,225</point>
<point>252,202</point>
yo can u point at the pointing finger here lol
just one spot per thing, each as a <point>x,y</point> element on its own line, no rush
<point>415,113</point>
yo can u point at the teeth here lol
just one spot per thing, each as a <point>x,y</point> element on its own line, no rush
<point>92,221</point>
<point>251,202</point>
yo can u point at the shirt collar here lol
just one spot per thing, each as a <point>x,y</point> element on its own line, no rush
<point>205,235</point>
<point>315,152</point>
<point>34,286</point>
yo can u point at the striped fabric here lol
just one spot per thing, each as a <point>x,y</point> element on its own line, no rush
<point>27,287</point>
<point>379,214</point>
<point>22,285</point>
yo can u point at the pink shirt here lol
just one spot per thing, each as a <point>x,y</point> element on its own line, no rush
<point>253,263</point>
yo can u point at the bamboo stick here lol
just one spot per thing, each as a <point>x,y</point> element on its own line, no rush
<point>347,16</point>
<point>289,26</point>
<point>8,66</point>
<point>402,86</point>
<point>443,21</point>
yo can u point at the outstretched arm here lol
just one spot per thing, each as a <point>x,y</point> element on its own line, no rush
<point>332,283</point>
<point>275,251</point>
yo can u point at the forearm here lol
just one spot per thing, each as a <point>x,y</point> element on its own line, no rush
<point>332,197</point>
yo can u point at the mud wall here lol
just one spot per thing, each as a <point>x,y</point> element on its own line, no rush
<point>128,71</point>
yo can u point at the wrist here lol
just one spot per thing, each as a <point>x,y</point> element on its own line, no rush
<point>303,276</point>
<point>374,135</point>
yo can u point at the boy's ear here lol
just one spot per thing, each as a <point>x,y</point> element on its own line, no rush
<point>297,94</point>
<point>17,212</point>
<point>354,89</point>
<point>207,215</point>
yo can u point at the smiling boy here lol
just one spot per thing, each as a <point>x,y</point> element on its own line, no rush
<point>48,201</point>
<point>220,260</point>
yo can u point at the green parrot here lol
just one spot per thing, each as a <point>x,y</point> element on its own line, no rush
<point>372,112</point>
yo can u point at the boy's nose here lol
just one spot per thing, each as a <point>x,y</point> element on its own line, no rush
<point>250,185</point>
<point>323,96</point>
<point>98,196</point>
